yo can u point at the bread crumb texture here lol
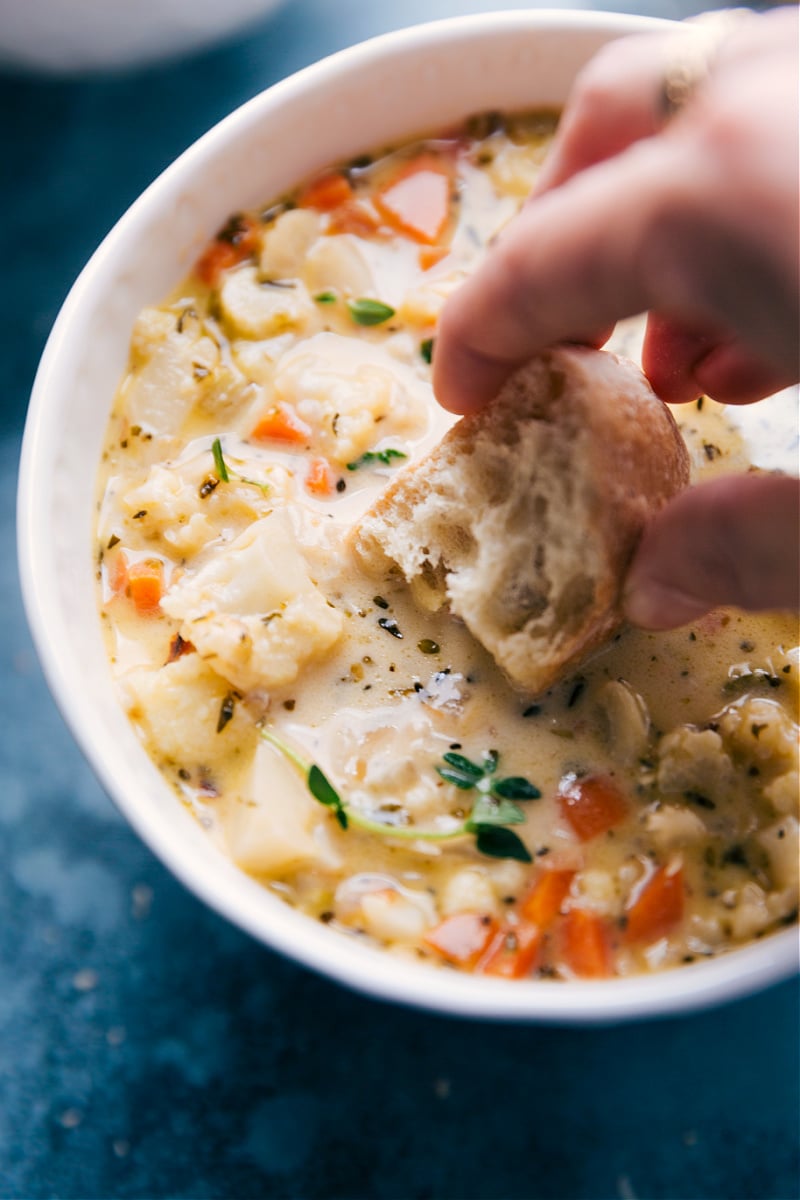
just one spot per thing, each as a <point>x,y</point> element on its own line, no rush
<point>523,520</point>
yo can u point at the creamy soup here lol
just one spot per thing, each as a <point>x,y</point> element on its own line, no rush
<point>366,760</point>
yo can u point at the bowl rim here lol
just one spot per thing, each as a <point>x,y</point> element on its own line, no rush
<point>737,973</point>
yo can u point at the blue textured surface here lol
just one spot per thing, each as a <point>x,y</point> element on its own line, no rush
<point>148,1049</point>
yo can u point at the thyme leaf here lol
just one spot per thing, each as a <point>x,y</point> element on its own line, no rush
<point>323,790</point>
<point>381,456</point>
<point>369,312</point>
<point>515,788</point>
<point>464,765</point>
<point>501,843</point>
<point>459,779</point>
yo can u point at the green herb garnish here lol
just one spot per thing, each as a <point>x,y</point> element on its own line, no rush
<point>426,350</point>
<point>225,473</point>
<point>323,790</point>
<point>382,456</point>
<point>493,811</point>
<point>325,298</point>
<point>495,808</point>
<point>219,461</point>
<point>369,312</point>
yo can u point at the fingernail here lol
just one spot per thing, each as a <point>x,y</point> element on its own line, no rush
<point>653,605</point>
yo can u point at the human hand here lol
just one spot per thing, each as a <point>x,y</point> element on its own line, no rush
<point>693,219</point>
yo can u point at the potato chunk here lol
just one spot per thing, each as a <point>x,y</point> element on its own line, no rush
<point>280,825</point>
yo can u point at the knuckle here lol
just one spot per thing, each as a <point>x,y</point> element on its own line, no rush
<point>597,83</point>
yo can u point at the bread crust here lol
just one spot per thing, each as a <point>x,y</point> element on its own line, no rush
<point>525,517</point>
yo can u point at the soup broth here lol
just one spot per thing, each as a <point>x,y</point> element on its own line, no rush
<point>361,757</point>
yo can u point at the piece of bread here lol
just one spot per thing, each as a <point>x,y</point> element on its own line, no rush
<point>524,518</point>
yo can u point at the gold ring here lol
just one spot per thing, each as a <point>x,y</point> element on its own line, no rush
<point>690,64</point>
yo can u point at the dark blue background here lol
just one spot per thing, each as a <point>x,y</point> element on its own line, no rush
<point>148,1049</point>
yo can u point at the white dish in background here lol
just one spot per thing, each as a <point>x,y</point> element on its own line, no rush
<point>90,35</point>
<point>395,86</point>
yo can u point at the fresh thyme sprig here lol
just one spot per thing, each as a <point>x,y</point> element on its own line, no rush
<point>381,456</point>
<point>226,473</point>
<point>495,807</point>
<point>493,811</point>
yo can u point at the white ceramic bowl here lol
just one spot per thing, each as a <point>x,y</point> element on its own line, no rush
<point>89,35</point>
<point>388,88</point>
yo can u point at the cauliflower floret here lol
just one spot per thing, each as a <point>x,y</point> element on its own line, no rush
<point>470,890</point>
<point>165,508</point>
<point>253,309</point>
<point>783,792</point>
<point>286,243</point>
<point>761,731</point>
<point>258,359</point>
<point>178,707</point>
<point>176,507</point>
<point>351,394</point>
<point>751,914</point>
<point>386,909</point>
<point>781,844</point>
<point>177,365</point>
<point>393,916</point>
<point>672,825</point>
<point>252,611</point>
<point>694,760</point>
<point>597,890</point>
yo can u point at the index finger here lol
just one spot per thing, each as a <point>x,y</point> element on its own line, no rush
<point>574,261</point>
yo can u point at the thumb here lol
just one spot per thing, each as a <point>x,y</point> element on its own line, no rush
<point>735,540</point>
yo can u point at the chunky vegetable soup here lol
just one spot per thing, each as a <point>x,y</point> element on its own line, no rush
<point>361,757</point>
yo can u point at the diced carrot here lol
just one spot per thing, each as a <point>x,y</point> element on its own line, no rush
<point>417,200</point>
<point>282,425</point>
<point>655,906</point>
<point>543,903</point>
<point>219,257</point>
<point>320,478</point>
<point>429,256</point>
<point>462,938</point>
<point>326,193</point>
<point>232,245</point>
<point>146,584</point>
<point>354,217</point>
<point>513,952</point>
<point>591,805</point>
<point>584,944</point>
